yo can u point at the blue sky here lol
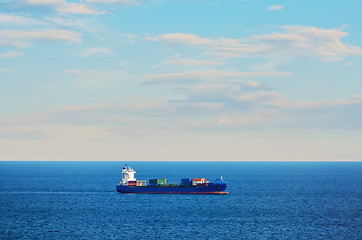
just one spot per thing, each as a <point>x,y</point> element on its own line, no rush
<point>180,80</point>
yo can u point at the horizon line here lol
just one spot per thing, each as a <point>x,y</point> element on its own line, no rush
<point>180,160</point>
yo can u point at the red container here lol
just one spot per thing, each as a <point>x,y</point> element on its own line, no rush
<point>132,183</point>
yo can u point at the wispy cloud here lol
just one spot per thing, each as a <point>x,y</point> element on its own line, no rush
<point>96,78</point>
<point>11,19</point>
<point>266,110</point>
<point>124,2</point>
<point>275,7</point>
<point>82,24</point>
<point>308,42</point>
<point>66,7</point>
<point>88,73</point>
<point>177,61</point>
<point>22,39</point>
<point>77,8</point>
<point>11,54</point>
<point>4,70</point>
<point>129,38</point>
<point>96,51</point>
<point>192,77</point>
<point>296,41</point>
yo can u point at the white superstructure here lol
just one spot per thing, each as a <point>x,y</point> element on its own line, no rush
<point>127,175</point>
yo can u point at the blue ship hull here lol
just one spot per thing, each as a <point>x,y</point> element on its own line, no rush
<point>209,189</point>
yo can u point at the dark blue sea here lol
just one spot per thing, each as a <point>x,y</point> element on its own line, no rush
<point>267,200</point>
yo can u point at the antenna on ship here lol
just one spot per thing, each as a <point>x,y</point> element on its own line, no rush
<point>221,178</point>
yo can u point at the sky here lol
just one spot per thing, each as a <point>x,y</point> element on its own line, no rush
<point>194,80</point>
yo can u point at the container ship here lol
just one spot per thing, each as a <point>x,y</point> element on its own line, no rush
<point>130,184</point>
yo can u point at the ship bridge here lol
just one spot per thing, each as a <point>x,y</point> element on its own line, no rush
<point>127,175</point>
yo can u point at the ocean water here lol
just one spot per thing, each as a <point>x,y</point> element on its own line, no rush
<point>267,200</point>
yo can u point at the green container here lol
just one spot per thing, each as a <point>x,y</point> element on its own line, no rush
<point>161,181</point>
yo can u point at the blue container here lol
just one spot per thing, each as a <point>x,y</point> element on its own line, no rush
<point>186,181</point>
<point>152,181</point>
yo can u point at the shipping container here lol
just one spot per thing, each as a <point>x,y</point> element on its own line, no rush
<point>152,181</point>
<point>196,181</point>
<point>141,183</point>
<point>186,181</point>
<point>161,181</point>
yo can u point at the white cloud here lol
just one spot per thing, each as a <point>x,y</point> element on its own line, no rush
<point>88,73</point>
<point>44,2</point>
<point>253,84</point>
<point>296,41</point>
<point>150,105</point>
<point>78,9</point>
<point>11,54</point>
<point>66,7</point>
<point>11,19</point>
<point>93,78</point>
<point>188,62</point>
<point>207,75</point>
<point>208,105</point>
<point>275,7</point>
<point>125,2</point>
<point>129,38</point>
<point>22,39</point>
<point>96,51</point>
<point>238,121</point>
<point>308,41</point>
<point>185,38</point>
<point>225,120</point>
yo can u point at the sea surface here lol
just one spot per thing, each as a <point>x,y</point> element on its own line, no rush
<point>267,200</point>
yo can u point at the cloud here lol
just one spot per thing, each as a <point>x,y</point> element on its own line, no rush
<point>83,24</point>
<point>150,105</point>
<point>275,7</point>
<point>238,121</point>
<point>96,51</point>
<point>253,84</point>
<point>63,6</point>
<point>175,60</point>
<point>295,41</point>
<point>88,73</point>
<point>306,41</point>
<point>129,38</point>
<point>258,111</point>
<point>206,75</point>
<point>44,2</point>
<point>124,2</point>
<point>95,78</point>
<point>11,19</point>
<point>185,39</point>
<point>22,39</point>
<point>224,120</point>
<point>4,70</point>
<point>78,9</point>
<point>11,54</point>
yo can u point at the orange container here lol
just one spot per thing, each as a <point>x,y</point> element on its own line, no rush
<point>199,180</point>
